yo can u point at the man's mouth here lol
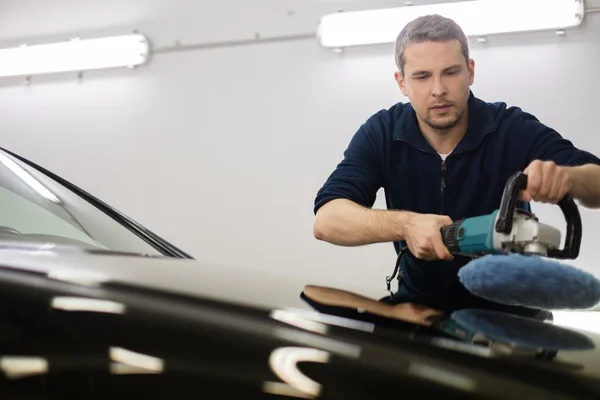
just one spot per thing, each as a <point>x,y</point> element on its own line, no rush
<point>441,107</point>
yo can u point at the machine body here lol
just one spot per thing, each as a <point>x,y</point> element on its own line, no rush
<point>477,236</point>
<point>513,230</point>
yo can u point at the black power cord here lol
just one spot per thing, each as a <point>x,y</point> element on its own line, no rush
<point>389,279</point>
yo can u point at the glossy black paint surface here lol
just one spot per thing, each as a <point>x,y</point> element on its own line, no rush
<point>210,348</point>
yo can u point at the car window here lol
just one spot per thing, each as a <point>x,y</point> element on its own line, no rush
<point>35,208</point>
<point>21,217</point>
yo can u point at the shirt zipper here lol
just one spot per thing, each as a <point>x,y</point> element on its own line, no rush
<point>443,180</point>
<point>442,186</point>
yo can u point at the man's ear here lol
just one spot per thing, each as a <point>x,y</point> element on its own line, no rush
<point>471,71</point>
<point>401,83</point>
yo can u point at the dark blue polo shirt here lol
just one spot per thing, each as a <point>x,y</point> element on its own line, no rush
<point>388,151</point>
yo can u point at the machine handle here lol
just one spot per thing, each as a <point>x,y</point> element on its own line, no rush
<point>504,224</point>
<point>516,183</point>
<point>574,230</point>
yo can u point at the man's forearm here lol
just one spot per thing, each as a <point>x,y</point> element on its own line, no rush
<point>585,184</point>
<point>345,223</point>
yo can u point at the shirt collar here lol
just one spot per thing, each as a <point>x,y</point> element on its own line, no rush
<point>481,122</point>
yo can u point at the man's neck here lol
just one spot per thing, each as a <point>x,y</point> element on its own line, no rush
<point>445,140</point>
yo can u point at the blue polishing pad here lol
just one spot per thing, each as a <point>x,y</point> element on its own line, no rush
<point>530,281</point>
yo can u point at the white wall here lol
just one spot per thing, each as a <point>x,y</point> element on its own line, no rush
<point>222,151</point>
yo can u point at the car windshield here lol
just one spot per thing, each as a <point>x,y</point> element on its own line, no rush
<point>37,209</point>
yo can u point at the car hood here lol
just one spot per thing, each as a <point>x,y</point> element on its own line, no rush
<point>505,336</point>
<point>166,274</point>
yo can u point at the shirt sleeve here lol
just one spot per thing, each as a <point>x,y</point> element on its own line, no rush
<point>360,174</point>
<point>545,144</point>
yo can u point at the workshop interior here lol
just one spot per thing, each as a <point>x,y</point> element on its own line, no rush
<point>159,166</point>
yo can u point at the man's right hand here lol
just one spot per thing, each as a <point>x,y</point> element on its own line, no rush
<point>424,238</point>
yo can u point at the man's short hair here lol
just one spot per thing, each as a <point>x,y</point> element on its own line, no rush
<point>434,28</point>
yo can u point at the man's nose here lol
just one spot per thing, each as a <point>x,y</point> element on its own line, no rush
<point>439,89</point>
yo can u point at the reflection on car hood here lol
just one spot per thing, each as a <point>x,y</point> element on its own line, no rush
<point>181,276</point>
<point>576,350</point>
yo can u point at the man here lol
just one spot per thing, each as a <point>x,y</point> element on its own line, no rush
<point>443,156</point>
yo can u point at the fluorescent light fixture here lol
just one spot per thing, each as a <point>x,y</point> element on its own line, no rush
<point>74,55</point>
<point>477,18</point>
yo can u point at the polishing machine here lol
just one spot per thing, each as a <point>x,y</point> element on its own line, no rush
<point>510,229</point>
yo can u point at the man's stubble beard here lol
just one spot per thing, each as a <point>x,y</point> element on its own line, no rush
<point>443,127</point>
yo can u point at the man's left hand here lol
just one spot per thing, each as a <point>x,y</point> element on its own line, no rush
<point>546,182</point>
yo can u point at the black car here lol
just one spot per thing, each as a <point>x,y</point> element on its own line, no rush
<point>93,305</point>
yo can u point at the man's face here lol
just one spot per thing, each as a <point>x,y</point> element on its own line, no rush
<point>437,81</point>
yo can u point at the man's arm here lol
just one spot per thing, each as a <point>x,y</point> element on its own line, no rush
<point>346,223</point>
<point>542,143</point>
<point>343,206</point>
<point>585,184</point>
